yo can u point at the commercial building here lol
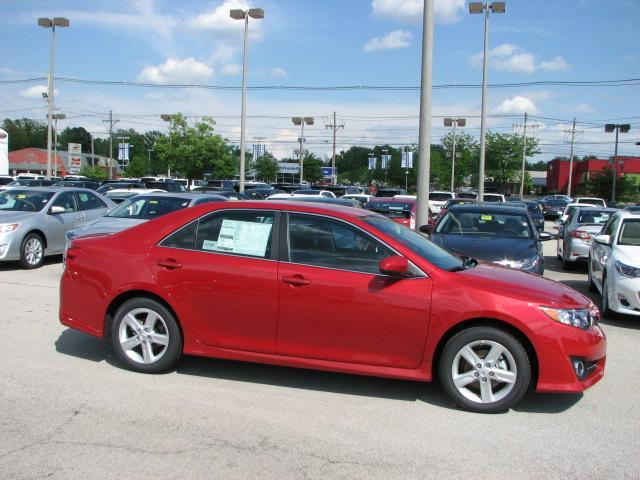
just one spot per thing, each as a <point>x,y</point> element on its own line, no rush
<point>558,172</point>
<point>34,160</point>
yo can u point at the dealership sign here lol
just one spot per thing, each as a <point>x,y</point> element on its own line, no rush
<point>4,152</point>
<point>284,167</point>
<point>75,151</point>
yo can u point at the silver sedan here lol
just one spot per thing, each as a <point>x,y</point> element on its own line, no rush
<point>34,221</point>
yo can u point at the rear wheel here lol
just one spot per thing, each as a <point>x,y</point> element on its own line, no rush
<point>604,305</point>
<point>146,336</point>
<point>32,251</point>
<point>484,369</point>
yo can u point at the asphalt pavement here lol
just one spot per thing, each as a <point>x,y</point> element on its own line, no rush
<point>68,410</point>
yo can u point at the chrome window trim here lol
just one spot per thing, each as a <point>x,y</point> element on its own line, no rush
<point>420,272</point>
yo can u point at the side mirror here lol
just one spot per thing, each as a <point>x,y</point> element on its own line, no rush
<point>545,236</point>
<point>56,209</point>
<point>394,266</point>
<point>602,239</point>
<point>426,229</point>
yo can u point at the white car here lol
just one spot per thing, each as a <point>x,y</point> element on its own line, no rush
<point>614,264</point>
<point>363,198</point>
<point>570,207</point>
<point>314,193</point>
<point>437,201</point>
<point>598,202</point>
<point>119,195</point>
<point>493,198</point>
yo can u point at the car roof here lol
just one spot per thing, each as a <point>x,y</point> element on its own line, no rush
<point>54,189</point>
<point>486,207</point>
<point>625,214</point>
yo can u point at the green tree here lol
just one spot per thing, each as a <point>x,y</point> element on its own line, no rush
<point>75,135</point>
<point>539,166</point>
<point>195,150</point>
<point>138,167</point>
<point>467,153</point>
<point>601,182</point>
<point>312,168</point>
<point>266,168</point>
<point>93,173</point>
<point>25,133</point>
<point>504,156</point>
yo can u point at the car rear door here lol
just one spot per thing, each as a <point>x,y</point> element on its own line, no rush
<point>334,303</point>
<point>221,273</point>
<point>58,224</point>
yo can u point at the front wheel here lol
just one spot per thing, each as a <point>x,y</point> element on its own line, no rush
<point>484,369</point>
<point>32,251</point>
<point>146,336</point>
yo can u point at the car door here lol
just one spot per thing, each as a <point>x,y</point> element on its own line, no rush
<point>334,303</point>
<point>221,273</point>
<point>90,205</point>
<point>58,224</point>
<point>602,252</point>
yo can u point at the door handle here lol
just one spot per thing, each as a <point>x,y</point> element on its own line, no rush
<point>169,264</point>
<point>296,280</point>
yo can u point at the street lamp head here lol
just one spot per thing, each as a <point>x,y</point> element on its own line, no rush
<point>308,120</point>
<point>624,128</point>
<point>476,7</point>
<point>296,120</point>
<point>45,95</point>
<point>609,127</point>
<point>498,7</point>
<point>462,122</point>
<point>448,122</point>
<point>61,22</point>
<point>166,117</point>
<point>237,14</point>
<point>256,13</point>
<point>45,22</point>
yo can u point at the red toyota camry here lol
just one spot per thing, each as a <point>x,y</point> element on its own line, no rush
<point>330,288</point>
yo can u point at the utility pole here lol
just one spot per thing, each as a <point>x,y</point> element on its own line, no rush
<point>573,136</point>
<point>524,155</point>
<point>334,127</point>
<point>111,122</point>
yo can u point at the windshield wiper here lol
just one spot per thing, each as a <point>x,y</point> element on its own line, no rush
<point>467,262</point>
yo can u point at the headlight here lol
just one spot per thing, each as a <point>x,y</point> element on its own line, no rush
<point>583,318</point>
<point>8,227</point>
<point>627,270</point>
<point>526,264</point>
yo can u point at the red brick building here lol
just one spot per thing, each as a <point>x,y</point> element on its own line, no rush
<point>558,172</point>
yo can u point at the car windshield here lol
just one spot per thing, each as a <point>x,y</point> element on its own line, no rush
<point>24,200</point>
<point>630,233</point>
<point>472,196</point>
<point>391,209</point>
<point>593,216</point>
<point>593,201</point>
<point>145,207</point>
<point>555,202</point>
<point>462,222</point>
<point>416,242</point>
<point>440,196</point>
<point>307,192</point>
<point>492,198</point>
<point>21,183</point>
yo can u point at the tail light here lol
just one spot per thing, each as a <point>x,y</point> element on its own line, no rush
<point>580,234</point>
<point>412,221</point>
<point>73,252</point>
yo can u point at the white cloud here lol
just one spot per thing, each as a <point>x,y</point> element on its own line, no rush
<point>513,58</point>
<point>176,70</point>
<point>36,91</point>
<point>515,106</point>
<point>583,108</point>
<point>218,20</point>
<point>392,40</point>
<point>410,11</point>
<point>231,69</point>
<point>279,72</point>
<point>557,63</point>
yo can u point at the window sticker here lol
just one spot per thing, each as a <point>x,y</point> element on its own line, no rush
<point>486,217</point>
<point>209,245</point>
<point>153,202</point>
<point>83,196</point>
<point>21,196</point>
<point>247,238</point>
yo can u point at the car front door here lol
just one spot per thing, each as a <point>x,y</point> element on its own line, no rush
<point>58,224</point>
<point>602,252</point>
<point>334,303</point>
<point>221,273</point>
<point>90,205</point>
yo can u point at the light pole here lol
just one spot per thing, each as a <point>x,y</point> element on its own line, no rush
<point>238,14</point>
<point>617,127</point>
<point>479,7</point>
<point>51,23</point>
<point>149,152</point>
<point>56,117</point>
<point>301,121</point>
<point>448,122</point>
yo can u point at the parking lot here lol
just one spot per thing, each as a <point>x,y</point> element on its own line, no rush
<point>69,410</point>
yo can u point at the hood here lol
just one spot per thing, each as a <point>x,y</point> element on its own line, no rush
<point>489,249</point>
<point>106,225</point>
<point>525,286</point>
<point>628,254</point>
<point>17,217</point>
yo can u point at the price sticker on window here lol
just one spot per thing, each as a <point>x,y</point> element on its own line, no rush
<point>21,196</point>
<point>486,217</point>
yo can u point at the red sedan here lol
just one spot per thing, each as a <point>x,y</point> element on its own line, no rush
<point>329,288</point>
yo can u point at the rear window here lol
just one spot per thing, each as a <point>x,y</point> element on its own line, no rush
<point>145,207</point>
<point>510,225</point>
<point>440,196</point>
<point>592,201</point>
<point>630,233</point>
<point>593,216</point>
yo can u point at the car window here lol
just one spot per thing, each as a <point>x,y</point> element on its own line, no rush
<point>512,225</point>
<point>65,200</point>
<point>24,200</point>
<point>145,207</point>
<point>609,228</point>
<point>630,233</point>
<point>200,201</point>
<point>323,242</point>
<point>593,216</point>
<point>89,201</point>
<point>440,197</point>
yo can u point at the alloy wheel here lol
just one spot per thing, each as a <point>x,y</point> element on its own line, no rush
<point>33,251</point>
<point>143,336</point>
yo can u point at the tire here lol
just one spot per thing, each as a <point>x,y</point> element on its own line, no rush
<point>145,336</point>
<point>32,251</point>
<point>566,264</point>
<point>605,311</point>
<point>511,365</point>
<point>592,286</point>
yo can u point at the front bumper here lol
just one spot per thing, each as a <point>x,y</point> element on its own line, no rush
<point>10,244</point>
<point>624,294</point>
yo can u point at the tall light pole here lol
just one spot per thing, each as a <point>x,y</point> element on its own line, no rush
<point>479,7</point>
<point>617,127</point>
<point>448,122</point>
<point>51,23</point>
<point>237,14</point>
<point>424,129</point>
<point>149,151</point>
<point>301,121</point>
<point>56,117</point>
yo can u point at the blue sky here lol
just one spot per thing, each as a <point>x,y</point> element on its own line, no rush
<point>329,43</point>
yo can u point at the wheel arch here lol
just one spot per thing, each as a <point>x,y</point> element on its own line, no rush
<point>487,322</point>
<point>38,232</point>
<point>128,295</point>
